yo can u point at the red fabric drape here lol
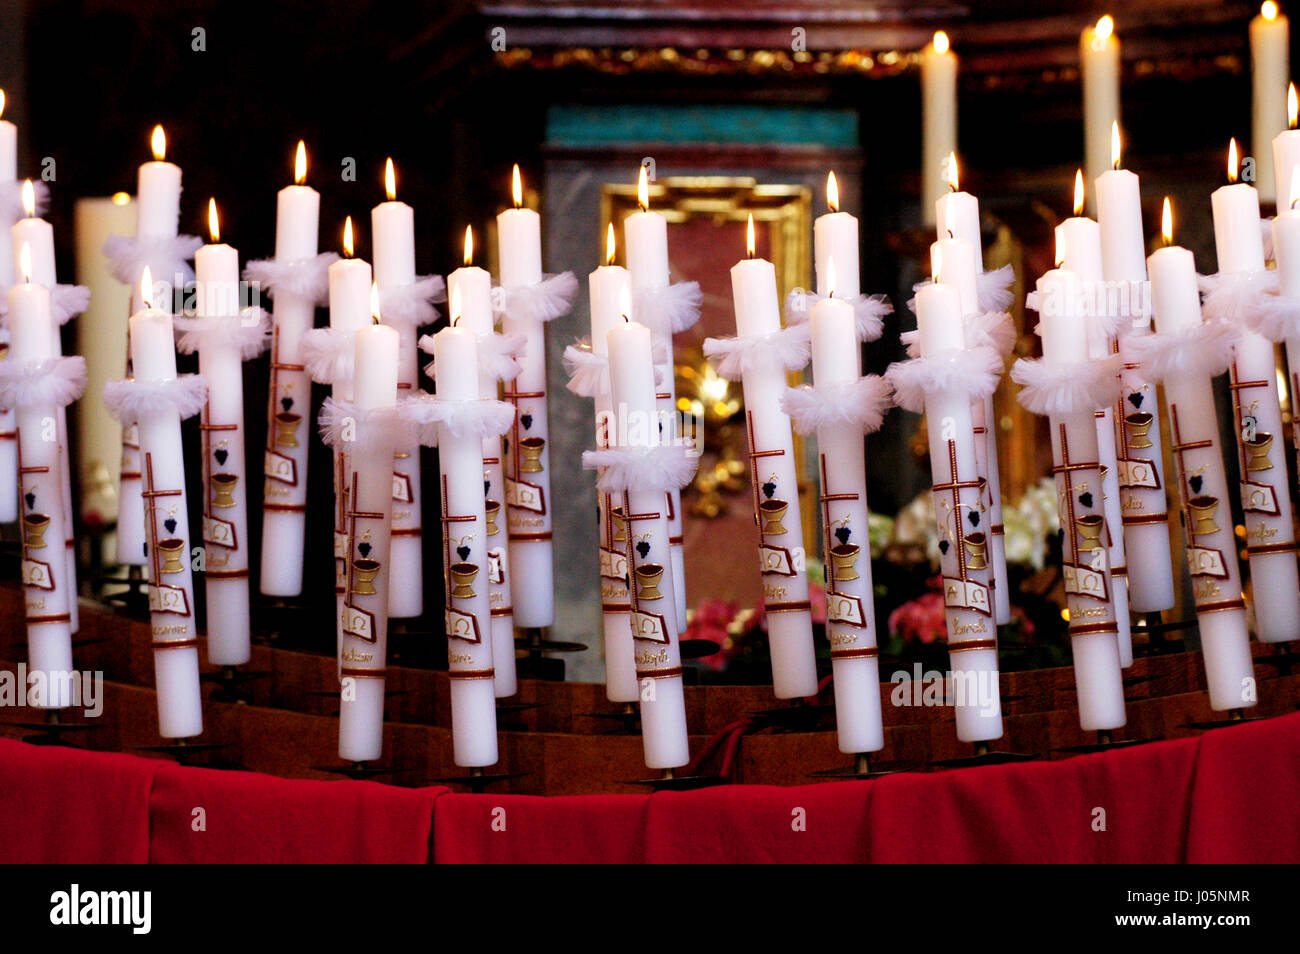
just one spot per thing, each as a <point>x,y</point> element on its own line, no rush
<point>260,818</point>
<point>67,805</point>
<point>1227,796</point>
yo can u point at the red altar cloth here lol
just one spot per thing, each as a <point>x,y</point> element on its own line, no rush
<point>1227,796</point>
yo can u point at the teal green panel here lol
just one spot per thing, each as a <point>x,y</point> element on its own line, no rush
<point>756,125</point>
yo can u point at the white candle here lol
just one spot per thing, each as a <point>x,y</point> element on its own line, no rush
<point>8,432</point>
<point>37,236</point>
<point>48,597</point>
<point>775,488</point>
<point>957,213</point>
<point>1099,64</point>
<point>1141,474</point>
<point>527,465</point>
<point>349,311</point>
<point>956,262</point>
<point>972,634</point>
<point>1286,251</point>
<point>370,486</point>
<point>101,338</point>
<point>284,496</point>
<point>1090,590</point>
<point>835,238</point>
<point>472,288</point>
<point>850,616</point>
<point>392,227</point>
<point>158,192</point>
<point>1079,246</point>
<point>171,579</point>
<point>609,287</point>
<point>1265,490</point>
<point>225,502</point>
<point>1286,151</point>
<point>465,556</point>
<point>938,118</point>
<point>646,234</point>
<point>1269,71</point>
<point>653,621</point>
<point>1203,485</point>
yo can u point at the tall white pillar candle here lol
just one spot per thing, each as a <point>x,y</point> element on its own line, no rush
<point>37,236</point>
<point>1099,64</point>
<point>1089,587</point>
<point>527,465</point>
<point>850,615</point>
<point>1080,252</point>
<point>225,483</point>
<point>1203,487</point>
<point>158,203</point>
<point>472,288</point>
<point>1265,490</point>
<point>365,602</point>
<point>1141,475</point>
<point>653,620</point>
<point>1286,250</point>
<point>775,487</point>
<point>1270,40</point>
<point>1286,151</point>
<point>465,556</point>
<point>101,338</point>
<point>392,227</point>
<point>46,590</point>
<point>284,494</point>
<point>609,286</point>
<point>8,432</point>
<point>938,119</point>
<point>171,578</point>
<point>646,234</point>
<point>972,634</point>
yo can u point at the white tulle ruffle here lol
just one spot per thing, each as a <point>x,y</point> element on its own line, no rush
<point>1054,388</point>
<point>668,310</point>
<point>663,467</point>
<point>250,332</point>
<point>786,349</point>
<point>868,312</point>
<point>498,354</point>
<point>131,400</point>
<point>860,404</point>
<point>1201,351</point>
<point>412,305</point>
<point>972,374</point>
<point>305,277</point>
<point>545,301</point>
<point>167,258</point>
<point>56,382</point>
<point>479,418</point>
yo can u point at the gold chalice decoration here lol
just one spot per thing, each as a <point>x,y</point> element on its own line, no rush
<point>532,448</point>
<point>462,580</point>
<point>223,485</point>
<point>648,576</point>
<point>1203,509</point>
<point>1139,427</point>
<point>619,524</point>
<point>1090,526</point>
<point>492,509</point>
<point>34,527</point>
<point>844,557</point>
<point>171,551</point>
<point>976,545</point>
<point>364,571</point>
<point>1257,452</point>
<point>286,429</point>
<point>773,511</point>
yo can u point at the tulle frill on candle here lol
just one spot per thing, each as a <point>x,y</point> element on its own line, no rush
<point>66,302</point>
<point>1052,388</point>
<point>57,381</point>
<point>972,373</point>
<point>661,467</point>
<point>166,257</point>
<point>498,354</point>
<point>668,310</point>
<point>861,404</point>
<point>130,400</point>
<point>414,304</point>
<point>250,333</point>
<point>11,201</point>
<point>589,372</point>
<point>304,277</point>
<point>787,349</point>
<point>868,312</point>
<point>544,301</point>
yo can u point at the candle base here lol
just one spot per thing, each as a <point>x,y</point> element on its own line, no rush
<point>508,715</point>
<point>799,716</point>
<point>134,599</point>
<point>669,781</point>
<point>1158,641</point>
<point>535,664</point>
<point>863,768</point>
<point>982,754</point>
<point>52,729</point>
<point>1105,742</point>
<point>627,716</point>
<point>360,771</point>
<point>477,780</point>
<point>232,684</point>
<point>1232,717</point>
<point>184,751</point>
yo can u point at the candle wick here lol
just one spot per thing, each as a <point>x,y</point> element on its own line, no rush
<point>950,235</point>
<point>456,320</point>
<point>627,319</point>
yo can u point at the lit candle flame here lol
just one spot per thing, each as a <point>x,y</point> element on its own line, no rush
<point>751,243</point>
<point>2,102</point>
<point>517,187</point>
<point>1269,10</point>
<point>1167,222</point>
<point>1114,144</point>
<point>158,143</point>
<point>456,307</point>
<point>214,224</point>
<point>1233,162</point>
<point>469,245</point>
<point>29,199</point>
<point>832,192</point>
<point>936,262</point>
<point>940,41</point>
<point>347,237</point>
<point>643,189</point>
<point>25,263</point>
<point>146,287</point>
<point>390,179</point>
<point>830,277</point>
<point>374,301</point>
<point>300,164</point>
<point>121,198</point>
<point>1078,192</point>
<point>1292,106</point>
<point>952,172</point>
<point>609,244</point>
<point>1104,28</point>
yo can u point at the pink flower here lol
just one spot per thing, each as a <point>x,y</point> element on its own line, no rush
<point>920,620</point>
